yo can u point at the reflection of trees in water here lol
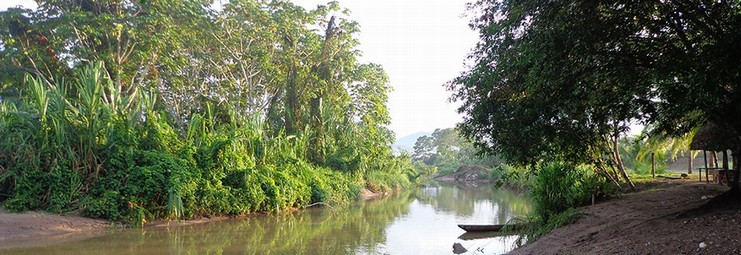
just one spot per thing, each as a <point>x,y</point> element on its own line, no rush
<point>314,231</point>
<point>462,199</point>
<point>326,231</point>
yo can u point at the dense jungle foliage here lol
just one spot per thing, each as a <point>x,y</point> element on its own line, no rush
<point>131,110</point>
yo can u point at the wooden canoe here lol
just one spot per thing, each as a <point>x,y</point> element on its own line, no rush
<point>488,228</point>
<point>482,235</point>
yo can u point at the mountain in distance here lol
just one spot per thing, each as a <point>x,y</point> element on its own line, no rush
<point>407,143</point>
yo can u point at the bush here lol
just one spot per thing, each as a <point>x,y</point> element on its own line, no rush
<point>510,176</point>
<point>558,187</point>
<point>68,149</point>
<point>379,181</point>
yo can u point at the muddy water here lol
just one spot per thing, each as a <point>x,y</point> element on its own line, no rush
<point>420,222</point>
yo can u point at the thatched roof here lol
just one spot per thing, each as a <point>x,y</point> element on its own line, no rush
<point>712,137</point>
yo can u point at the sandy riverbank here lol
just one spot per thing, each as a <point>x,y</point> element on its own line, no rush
<point>664,217</point>
<point>21,228</point>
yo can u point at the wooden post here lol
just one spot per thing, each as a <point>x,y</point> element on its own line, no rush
<point>653,165</point>
<point>736,169</point>
<point>704,157</point>
<point>725,167</point>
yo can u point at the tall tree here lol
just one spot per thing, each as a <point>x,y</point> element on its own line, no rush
<point>135,39</point>
<point>553,80</point>
<point>272,60</point>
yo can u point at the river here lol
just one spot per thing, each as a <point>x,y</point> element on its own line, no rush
<point>420,222</point>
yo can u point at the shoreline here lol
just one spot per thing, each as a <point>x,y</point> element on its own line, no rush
<point>33,228</point>
<point>26,228</point>
<point>661,217</point>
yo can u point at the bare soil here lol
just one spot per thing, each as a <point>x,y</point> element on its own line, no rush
<point>663,217</point>
<point>18,229</point>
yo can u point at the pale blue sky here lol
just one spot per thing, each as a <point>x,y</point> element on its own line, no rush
<point>420,43</point>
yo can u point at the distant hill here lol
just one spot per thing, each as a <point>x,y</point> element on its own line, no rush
<point>407,143</point>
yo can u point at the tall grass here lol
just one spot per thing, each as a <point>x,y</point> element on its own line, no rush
<point>557,188</point>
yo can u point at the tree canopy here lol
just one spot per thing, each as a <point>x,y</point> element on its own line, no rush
<point>553,79</point>
<point>447,150</point>
<point>123,106</point>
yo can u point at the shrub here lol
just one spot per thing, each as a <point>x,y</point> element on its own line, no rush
<point>510,176</point>
<point>557,188</point>
<point>117,157</point>
<point>386,181</point>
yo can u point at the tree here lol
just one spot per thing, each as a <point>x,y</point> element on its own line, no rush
<point>447,150</point>
<point>557,80</point>
<point>134,39</point>
<point>268,97</point>
<point>424,150</point>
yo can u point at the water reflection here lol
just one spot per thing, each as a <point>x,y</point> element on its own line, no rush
<point>422,222</point>
<point>430,227</point>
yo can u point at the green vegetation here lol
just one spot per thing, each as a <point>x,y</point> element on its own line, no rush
<point>446,150</point>
<point>131,110</point>
<point>639,149</point>
<point>559,186</point>
<point>343,231</point>
<point>556,189</point>
<point>510,176</point>
<point>563,81</point>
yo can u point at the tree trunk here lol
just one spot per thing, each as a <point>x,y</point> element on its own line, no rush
<point>317,126</point>
<point>273,117</point>
<point>603,170</point>
<point>690,162</point>
<point>614,174</point>
<point>619,162</point>
<point>325,80</point>
<point>653,165</point>
<point>291,99</point>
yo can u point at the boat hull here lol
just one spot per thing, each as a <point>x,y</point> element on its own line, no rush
<point>488,228</point>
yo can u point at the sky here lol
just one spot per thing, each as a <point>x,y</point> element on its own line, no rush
<point>4,4</point>
<point>420,43</point>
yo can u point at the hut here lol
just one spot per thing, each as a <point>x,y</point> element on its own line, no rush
<point>713,138</point>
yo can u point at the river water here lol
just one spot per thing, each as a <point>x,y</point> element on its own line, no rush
<point>419,222</point>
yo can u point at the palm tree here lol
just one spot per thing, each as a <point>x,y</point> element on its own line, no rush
<point>665,146</point>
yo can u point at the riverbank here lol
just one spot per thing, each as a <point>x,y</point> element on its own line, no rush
<point>20,228</point>
<point>662,217</point>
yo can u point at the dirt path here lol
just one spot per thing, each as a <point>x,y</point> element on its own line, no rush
<point>667,217</point>
<point>17,229</point>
